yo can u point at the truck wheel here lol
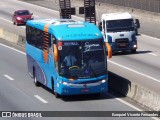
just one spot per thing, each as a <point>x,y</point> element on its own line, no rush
<point>133,51</point>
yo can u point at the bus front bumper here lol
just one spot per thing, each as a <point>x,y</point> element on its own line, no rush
<point>77,89</point>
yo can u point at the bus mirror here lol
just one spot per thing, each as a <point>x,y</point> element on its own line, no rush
<point>100,26</point>
<point>45,56</point>
<point>109,49</point>
<point>55,53</point>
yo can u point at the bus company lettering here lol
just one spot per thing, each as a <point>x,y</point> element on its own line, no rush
<point>77,35</point>
<point>91,47</point>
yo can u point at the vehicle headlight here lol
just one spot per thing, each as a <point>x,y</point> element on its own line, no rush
<point>18,18</point>
<point>64,83</point>
<point>135,46</point>
<point>103,81</point>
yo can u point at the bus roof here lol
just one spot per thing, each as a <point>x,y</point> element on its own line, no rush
<point>68,29</point>
<point>116,16</point>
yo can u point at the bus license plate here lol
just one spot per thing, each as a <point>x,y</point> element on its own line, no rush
<point>85,90</point>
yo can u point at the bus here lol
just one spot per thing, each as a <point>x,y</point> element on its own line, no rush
<point>50,41</point>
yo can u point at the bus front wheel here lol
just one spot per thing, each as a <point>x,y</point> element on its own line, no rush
<point>35,80</point>
<point>54,92</point>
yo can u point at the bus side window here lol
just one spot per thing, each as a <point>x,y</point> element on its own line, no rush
<point>30,34</point>
<point>39,38</point>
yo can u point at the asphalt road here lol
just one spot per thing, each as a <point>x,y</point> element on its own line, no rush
<point>19,94</point>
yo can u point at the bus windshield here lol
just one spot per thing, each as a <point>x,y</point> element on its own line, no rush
<point>120,25</point>
<point>81,59</point>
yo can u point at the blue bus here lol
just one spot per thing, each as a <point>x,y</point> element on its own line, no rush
<point>67,56</point>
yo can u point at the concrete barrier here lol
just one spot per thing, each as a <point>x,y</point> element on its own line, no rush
<point>12,37</point>
<point>141,95</point>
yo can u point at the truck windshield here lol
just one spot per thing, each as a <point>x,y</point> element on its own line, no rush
<point>82,59</point>
<point>120,25</point>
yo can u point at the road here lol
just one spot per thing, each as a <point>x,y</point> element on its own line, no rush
<point>141,68</point>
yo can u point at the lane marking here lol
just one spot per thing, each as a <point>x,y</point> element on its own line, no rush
<point>10,21</point>
<point>151,37</point>
<point>8,77</point>
<point>134,71</point>
<point>5,20</point>
<point>130,105</point>
<point>41,99</point>
<point>153,54</point>
<point>12,49</point>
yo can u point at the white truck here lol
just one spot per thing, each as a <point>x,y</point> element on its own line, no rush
<point>119,30</point>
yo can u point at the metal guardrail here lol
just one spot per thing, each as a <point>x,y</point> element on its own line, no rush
<point>148,5</point>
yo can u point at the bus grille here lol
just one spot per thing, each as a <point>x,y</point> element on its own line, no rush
<point>122,43</point>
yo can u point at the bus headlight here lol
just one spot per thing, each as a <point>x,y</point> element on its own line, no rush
<point>64,83</point>
<point>103,81</point>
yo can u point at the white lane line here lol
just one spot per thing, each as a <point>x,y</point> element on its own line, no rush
<point>153,54</point>
<point>151,37</point>
<point>5,20</point>
<point>135,71</point>
<point>130,105</point>
<point>8,77</point>
<point>41,99</point>
<point>9,21</point>
<point>13,49</point>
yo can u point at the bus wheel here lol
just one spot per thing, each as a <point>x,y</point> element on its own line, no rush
<point>56,95</point>
<point>54,92</point>
<point>35,81</point>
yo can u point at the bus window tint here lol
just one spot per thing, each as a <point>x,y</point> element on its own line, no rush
<point>34,37</point>
<point>83,53</point>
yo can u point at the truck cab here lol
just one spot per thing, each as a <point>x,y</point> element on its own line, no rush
<point>119,31</point>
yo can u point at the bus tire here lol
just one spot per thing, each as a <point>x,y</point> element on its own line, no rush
<point>57,95</point>
<point>54,92</point>
<point>35,80</point>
